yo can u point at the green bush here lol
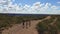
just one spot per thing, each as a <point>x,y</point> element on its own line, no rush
<point>46,26</point>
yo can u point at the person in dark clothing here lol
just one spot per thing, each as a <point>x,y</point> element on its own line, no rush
<point>23,23</point>
<point>27,22</point>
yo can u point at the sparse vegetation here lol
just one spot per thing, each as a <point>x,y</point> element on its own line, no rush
<point>45,27</point>
<point>8,20</point>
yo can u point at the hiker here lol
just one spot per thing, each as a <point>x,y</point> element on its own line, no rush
<point>29,23</point>
<point>26,24</point>
<point>23,23</point>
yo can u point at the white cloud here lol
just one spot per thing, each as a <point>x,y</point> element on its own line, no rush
<point>54,7</point>
<point>2,2</point>
<point>37,8</point>
<point>26,7</point>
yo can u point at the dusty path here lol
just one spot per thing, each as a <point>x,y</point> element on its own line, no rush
<point>54,21</point>
<point>18,28</point>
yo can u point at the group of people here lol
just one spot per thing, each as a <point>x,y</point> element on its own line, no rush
<point>26,23</point>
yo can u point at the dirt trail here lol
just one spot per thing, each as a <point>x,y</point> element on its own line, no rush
<point>18,28</point>
<point>54,21</point>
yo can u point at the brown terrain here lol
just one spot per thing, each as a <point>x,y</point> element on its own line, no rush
<point>18,28</point>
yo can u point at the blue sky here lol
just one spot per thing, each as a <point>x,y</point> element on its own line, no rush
<point>30,2</point>
<point>30,6</point>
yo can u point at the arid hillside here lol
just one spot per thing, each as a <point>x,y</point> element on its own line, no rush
<point>29,24</point>
<point>8,21</point>
<point>18,28</point>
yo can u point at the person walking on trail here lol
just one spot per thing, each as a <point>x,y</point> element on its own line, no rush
<point>26,23</point>
<point>23,23</point>
<point>29,23</point>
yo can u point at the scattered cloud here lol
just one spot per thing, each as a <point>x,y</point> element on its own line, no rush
<point>36,8</point>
